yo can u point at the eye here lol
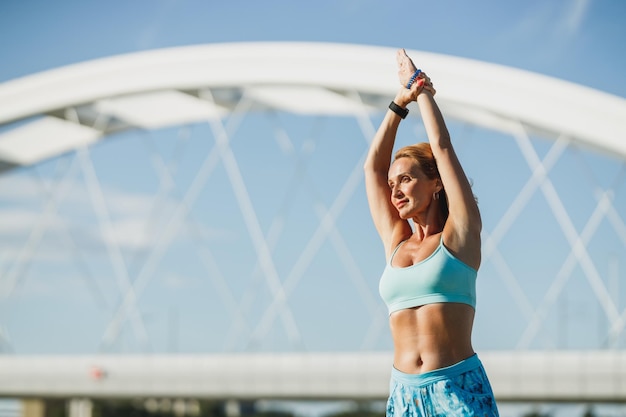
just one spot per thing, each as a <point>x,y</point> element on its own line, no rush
<point>405,178</point>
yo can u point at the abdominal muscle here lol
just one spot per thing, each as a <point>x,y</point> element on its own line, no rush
<point>430,337</point>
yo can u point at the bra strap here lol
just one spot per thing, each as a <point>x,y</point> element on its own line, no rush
<point>395,250</point>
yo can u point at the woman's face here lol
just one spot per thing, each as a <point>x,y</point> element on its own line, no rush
<point>411,190</point>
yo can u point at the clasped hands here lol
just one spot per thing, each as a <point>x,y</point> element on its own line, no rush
<point>422,83</point>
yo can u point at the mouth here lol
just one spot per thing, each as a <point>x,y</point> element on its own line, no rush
<point>401,204</point>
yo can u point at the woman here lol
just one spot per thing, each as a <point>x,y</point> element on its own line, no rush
<point>429,280</point>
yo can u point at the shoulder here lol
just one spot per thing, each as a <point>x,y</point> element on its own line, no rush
<point>464,242</point>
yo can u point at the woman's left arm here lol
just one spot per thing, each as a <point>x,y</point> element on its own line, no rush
<point>464,224</point>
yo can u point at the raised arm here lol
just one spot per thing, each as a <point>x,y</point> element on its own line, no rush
<point>391,228</point>
<point>463,227</point>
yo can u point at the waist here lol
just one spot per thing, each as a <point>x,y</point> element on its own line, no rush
<point>431,337</point>
<point>426,378</point>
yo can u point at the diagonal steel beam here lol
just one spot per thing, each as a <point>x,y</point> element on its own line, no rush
<point>307,255</point>
<point>162,242</point>
<point>106,228</point>
<point>562,276</point>
<point>493,239</point>
<point>16,271</point>
<point>254,229</point>
<point>575,240</point>
<point>168,184</point>
<point>277,225</point>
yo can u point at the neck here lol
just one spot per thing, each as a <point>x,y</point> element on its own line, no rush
<point>428,223</point>
<point>424,231</point>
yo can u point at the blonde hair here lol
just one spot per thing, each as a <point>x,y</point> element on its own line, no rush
<point>423,156</point>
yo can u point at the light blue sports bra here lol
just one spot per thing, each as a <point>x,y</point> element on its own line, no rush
<point>440,278</point>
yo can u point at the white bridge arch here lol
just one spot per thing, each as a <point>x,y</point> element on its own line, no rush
<point>56,117</point>
<point>174,86</point>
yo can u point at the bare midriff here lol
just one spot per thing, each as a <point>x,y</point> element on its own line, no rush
<point>430,337</point>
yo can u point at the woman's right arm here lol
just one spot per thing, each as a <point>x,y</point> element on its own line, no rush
<point>391,228</point>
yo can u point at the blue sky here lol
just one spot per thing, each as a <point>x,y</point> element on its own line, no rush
<point>573,40</point>
<point>578,41</point>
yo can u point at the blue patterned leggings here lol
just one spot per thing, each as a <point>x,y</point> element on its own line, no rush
<point>460,390</point>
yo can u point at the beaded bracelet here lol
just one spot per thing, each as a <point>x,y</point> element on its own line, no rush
<point>413,77</point>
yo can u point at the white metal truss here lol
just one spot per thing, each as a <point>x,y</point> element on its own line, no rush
<point>67,111</point>
<point>577,242</point>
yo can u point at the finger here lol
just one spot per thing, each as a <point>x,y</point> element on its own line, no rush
<point>417,85</point>
<point>399,56</point>
<point>426,78</point>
